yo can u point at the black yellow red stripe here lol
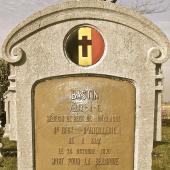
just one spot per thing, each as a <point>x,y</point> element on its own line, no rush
<point>85,46</point>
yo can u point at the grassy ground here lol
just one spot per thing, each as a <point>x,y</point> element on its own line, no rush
<point>161,154</point>
<point>9,161</point>
<point>7,144</point>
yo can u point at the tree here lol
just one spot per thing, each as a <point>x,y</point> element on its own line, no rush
<point>4,72</point>
<point>114,1</point>
<point>151,6</point>
<point>146,6</point>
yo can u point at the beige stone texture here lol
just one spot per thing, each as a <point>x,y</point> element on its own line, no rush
<point>135,49</point>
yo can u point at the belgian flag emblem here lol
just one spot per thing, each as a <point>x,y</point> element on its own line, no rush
<point>85,46</point>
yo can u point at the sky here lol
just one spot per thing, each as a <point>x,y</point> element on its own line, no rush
<point>12,12</point>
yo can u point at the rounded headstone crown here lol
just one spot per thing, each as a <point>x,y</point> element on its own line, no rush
<point>13,53</point>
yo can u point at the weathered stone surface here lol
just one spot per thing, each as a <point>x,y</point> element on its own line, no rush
<point>84,122</point>
<point>135,50</point>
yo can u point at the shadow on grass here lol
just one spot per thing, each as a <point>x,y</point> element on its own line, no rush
<point>8,163</point>
<point>161,151</point>
<point>156,144</point>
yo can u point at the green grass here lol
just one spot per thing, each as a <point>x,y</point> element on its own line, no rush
<point>166,134</point>
<point>7,144</point>
<point>161,152</point>
<point>8,163</point>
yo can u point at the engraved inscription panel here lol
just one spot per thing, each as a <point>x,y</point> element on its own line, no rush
<point>84,123</point>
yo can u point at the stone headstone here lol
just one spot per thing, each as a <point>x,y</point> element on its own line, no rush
<point>10,108</point>
<point>82,126</point>
<point>86,80</point>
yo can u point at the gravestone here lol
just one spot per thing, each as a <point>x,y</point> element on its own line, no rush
<point>86,80</point>
<point>10,108</point>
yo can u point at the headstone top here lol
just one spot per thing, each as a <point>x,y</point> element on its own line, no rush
<point>54,14</point>
<point>85,77</point>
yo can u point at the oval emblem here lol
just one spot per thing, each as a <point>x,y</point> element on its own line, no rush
<point>84,46</point>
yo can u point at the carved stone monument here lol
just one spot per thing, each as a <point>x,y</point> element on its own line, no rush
<point>85,87</point>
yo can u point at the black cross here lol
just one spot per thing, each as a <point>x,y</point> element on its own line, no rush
<point>84,43</point>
